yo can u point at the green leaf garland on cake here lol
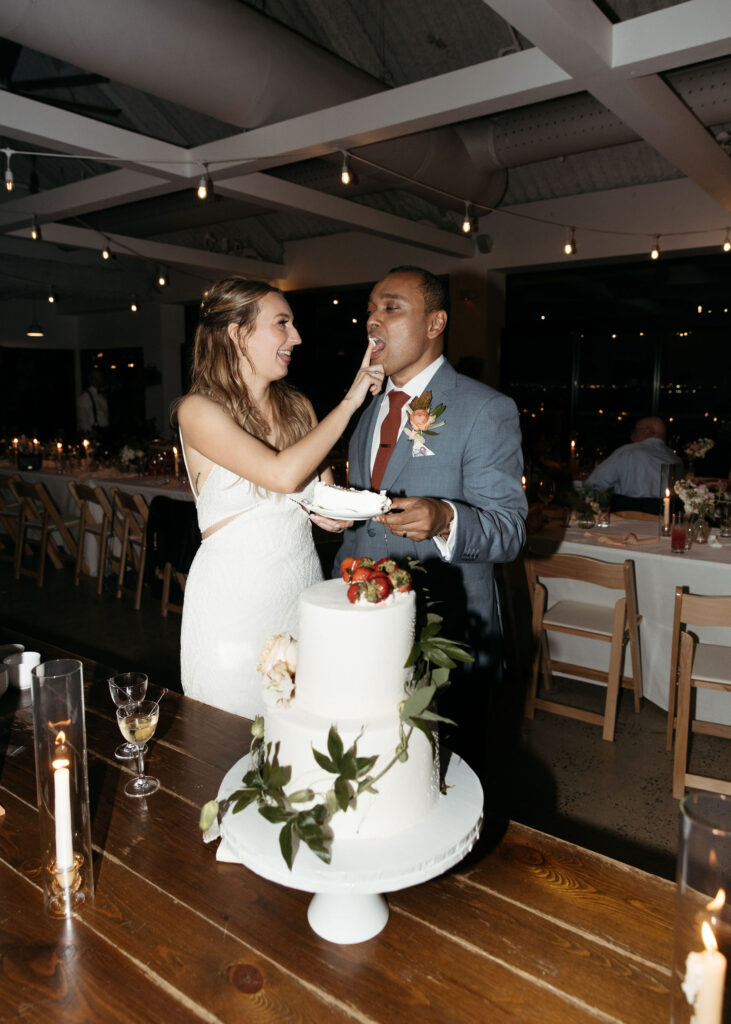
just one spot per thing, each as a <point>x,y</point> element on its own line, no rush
<point>432,658</point>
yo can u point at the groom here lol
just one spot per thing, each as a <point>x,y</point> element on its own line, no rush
<point>457,500</point>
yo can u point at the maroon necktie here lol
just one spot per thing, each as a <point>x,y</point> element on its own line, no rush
<point>389,433</point>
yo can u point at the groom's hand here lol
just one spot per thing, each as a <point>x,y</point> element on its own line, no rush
<point>418,518</point>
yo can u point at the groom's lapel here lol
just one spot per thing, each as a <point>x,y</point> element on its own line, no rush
<point>365,427</point>
<point>441,385</point>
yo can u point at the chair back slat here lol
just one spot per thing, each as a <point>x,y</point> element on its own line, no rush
<point>578,567</point>
<point>705,610</point>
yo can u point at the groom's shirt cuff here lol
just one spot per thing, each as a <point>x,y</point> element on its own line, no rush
<point>445,547</point>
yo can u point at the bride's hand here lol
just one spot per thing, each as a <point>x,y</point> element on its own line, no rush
<point>331,525</point>
<point>369,378</point>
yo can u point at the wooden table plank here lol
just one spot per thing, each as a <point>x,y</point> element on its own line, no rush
<point>538,931</point>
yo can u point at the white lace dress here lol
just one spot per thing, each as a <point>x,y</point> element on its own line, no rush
<point>242,588</point>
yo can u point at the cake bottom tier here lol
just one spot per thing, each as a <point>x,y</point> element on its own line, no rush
<point>406,793</point>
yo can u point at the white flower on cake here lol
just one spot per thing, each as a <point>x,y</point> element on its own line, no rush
<point>278,664</point>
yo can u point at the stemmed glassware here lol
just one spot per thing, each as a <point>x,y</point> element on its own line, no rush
<point>127,688</point>
<point>137,722</point>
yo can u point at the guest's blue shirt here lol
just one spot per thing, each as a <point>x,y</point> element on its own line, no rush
<point>634,469</point>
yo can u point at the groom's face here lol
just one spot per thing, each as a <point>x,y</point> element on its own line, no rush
<point>406,337</point>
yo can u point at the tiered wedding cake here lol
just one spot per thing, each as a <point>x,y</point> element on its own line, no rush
<point>350,673</point>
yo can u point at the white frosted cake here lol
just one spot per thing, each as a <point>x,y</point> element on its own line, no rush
<point>344,502</point>
<point>350,673</point>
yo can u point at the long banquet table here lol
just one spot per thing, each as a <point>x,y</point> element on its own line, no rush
<point>704,569</point>
<point>538,930</point>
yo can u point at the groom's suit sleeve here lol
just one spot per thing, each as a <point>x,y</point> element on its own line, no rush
<point>492,506</point>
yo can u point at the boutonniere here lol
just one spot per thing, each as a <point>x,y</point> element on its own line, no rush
<point>423,420</point>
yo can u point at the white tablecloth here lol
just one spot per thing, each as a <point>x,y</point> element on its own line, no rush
<point>705,569</point>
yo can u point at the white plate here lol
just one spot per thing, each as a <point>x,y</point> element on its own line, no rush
<point>329,514</point>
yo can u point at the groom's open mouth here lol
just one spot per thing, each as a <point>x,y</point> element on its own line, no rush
<point>378,345</point>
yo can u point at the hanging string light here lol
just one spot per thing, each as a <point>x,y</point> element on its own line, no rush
<point>52,297</point>
<point>35,231</point>
<point>467,223</point>
<point>162,278</point>
<point>727,241</point>
<point>347,177</point>
<point>570,244</point>
<point>656,250</point>
<point>205,185</point>
<point>9,179</point>
<point>133,304</point>
<point>106,253</point>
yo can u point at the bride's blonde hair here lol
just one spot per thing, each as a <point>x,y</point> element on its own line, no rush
<point>216,370</point>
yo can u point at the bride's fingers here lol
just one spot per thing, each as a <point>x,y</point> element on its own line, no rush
<point>367,357</point>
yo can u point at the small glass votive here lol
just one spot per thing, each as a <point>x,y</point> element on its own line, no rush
<point>701,982</point>
<point>678,533</point>
<point>59,739</point>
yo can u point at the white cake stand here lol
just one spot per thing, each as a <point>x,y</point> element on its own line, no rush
<point>348,905</point>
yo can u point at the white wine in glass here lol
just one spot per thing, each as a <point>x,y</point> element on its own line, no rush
<point>137,723</point>
<point>127,688</point>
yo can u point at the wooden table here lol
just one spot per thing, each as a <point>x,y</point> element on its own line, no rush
<point>538,930</point>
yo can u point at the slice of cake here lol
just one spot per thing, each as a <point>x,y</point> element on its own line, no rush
<point>344,502</point>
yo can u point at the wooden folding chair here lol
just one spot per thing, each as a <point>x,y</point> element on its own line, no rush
<point>33,517</point>
<point>96,516</point>
<point>9,513</point>
<point>173,539</point>
<point>133,512</point>
<point>616,626</point>
<point>696,663</point>
<point>60,527</point>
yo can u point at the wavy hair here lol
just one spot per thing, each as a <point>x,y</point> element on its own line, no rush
<point>216,369</point>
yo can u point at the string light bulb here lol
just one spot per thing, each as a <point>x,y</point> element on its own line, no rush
<point>35,232</point>
<point>656,250</point>
<point>105,253</point>
<point>467,224</point>
<point>133,305</point>
<point>9,179</point>
<point>727,241</point>
<point>347,177</point>
<point>570,244</point>
<point>162,278</point>
<point>205,185</point>
<point>52,297</point>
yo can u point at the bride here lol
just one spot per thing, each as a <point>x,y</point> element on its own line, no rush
<point>251,444</point>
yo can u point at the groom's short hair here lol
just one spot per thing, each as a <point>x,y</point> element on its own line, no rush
<point>431,287</point>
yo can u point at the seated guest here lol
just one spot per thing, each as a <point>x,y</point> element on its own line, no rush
<point>632,472</point>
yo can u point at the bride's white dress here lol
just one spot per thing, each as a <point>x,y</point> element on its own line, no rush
<point>242,588</point>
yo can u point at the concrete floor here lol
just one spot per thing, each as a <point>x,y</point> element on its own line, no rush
<point>611,797</point>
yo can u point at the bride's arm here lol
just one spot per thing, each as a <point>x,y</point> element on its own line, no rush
<point>208,428</point>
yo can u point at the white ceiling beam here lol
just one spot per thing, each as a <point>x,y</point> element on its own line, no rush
<point>158,252</point>
<point>42,125</point>
<point>579,38</point>
<point>482,89</point>
<point>695,31</point>
<point>82,197</point>
<point>287,195</point>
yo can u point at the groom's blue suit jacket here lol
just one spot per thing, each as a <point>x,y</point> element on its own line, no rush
<point>477,465</point>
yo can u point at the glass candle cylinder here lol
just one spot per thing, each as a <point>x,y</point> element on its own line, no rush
<point>701,978</point>
<point>59,737</point>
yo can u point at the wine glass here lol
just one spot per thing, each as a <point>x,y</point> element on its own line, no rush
<point>127,688</point>
<point>546,491</point>
<point>137,723</point>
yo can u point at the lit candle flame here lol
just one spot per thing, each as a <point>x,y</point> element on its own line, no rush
<point>85,442</point>
<point>709,939</point>
<point>175,450</point>
<point>718,901</point>
<point>59,445</point>
<point>667,492</point>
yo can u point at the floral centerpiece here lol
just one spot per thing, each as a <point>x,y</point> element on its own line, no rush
<point>130,458</point>
<point>699,502</point>
<point>698,449</point>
